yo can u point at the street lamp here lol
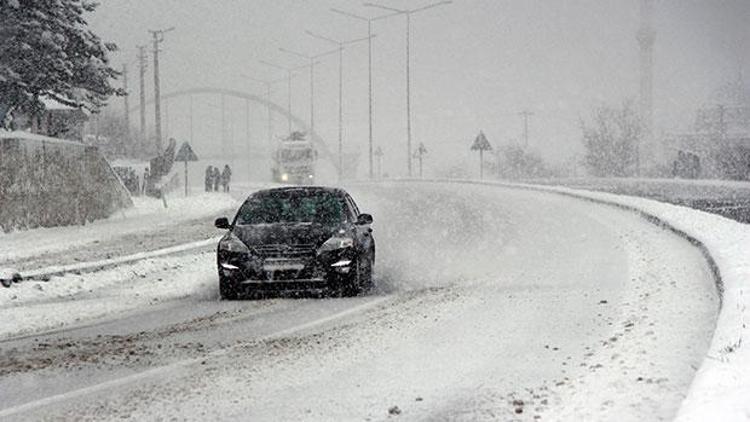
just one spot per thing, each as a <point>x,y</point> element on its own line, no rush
<point>369,69</point>
<point>289,74</point>
<point>341,45</point>
<point>379,153</point>
<point>267,83</point>
<point>419,155</point>
<point>311,65</point>
<point>408,13</point>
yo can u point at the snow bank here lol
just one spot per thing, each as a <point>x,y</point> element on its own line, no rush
<point>147,214</point>
<point>721,388</point>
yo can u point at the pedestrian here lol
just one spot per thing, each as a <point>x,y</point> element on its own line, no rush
<point>208,181</point>
<point>216,178</point>
<point>226,177</point>
<point>146,176</point>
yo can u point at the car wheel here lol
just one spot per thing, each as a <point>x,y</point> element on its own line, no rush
<point>367,279</point>
<point>227,289</point>
<point>353,285</point>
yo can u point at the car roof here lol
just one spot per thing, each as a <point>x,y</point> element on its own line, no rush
<point>306,189</point>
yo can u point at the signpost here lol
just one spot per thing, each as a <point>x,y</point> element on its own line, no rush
<point>186,154</point>
<point>481,144</point>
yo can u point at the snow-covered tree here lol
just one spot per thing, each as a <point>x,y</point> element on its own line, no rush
<point>47,50</point>
<point>612,141</point>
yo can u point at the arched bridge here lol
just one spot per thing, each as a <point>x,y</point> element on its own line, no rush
<point>323,149</point>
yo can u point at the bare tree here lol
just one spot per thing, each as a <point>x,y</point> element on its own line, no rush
<point>612,141</point>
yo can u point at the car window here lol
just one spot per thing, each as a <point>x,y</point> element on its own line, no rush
<point>353,206</point>
<point>294,207</point>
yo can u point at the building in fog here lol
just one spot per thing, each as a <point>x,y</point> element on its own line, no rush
<point>719,145</point>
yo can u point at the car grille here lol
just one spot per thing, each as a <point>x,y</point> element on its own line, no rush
<point>285,251</point>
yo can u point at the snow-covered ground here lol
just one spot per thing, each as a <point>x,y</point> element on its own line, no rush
<point>493,304</point>
<point>721,389</point>
<point>148,214</point>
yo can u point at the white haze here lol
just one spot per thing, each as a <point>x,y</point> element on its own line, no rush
<point>476,64</point>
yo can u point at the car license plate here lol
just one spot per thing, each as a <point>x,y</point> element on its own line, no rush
<point>282,265</point>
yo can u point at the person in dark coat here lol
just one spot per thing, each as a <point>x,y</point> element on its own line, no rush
<point>209,184</point>
<point>226,177</point>
<point>216,178</point>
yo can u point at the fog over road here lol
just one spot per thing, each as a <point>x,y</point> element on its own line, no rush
<point>492,303</point>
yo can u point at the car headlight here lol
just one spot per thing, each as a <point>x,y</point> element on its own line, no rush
<point>233,244</point>
<point>284,177</point>
<point>335,243</point>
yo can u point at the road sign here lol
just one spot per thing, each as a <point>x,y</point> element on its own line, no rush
<point>186,154</point>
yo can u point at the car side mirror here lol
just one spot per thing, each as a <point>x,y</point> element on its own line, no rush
<point>222,223</point>
<point>364,219</point>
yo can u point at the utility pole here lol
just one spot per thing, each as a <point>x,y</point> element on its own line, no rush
<point>525,114</point>
<point>379,154</point>
<point>289,75</point>
<point>142,81</point>
<point>190,112</point>
<point>158,38</point>
<point>341,44</point>
<point>224,123</point>
<point>166,118</point>
<point>722,111</point>
<point>369,74</point>
<point>126,99</point>
<point>419,155</point>
<point>311,65</point>
<point>408,13</point>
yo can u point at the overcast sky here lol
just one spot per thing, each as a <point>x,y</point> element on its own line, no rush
<point>476,65</point>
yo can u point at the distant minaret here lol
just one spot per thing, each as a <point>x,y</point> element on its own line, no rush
<point>646,38</point>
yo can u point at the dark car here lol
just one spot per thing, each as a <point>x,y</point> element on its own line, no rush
<point>296,239</point>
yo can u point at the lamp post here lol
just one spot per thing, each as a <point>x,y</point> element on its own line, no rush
<point>419,155</point>
<point>268,83</point>
<point>379,153</point>
<point>341,44</point>
<point>369,73</point>
<point>408,13</point>
<point>289,74</point>
<point>311,65</point>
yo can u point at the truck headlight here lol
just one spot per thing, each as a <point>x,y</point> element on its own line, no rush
<point>284,177</point>
<point>336,243</point>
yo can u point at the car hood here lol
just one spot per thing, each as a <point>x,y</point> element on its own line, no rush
<point>287,234</point>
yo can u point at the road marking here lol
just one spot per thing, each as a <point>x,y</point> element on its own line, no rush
<point>26,407</point>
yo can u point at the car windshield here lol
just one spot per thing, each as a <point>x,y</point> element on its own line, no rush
<point>296,155</point>
<point>292,207</point>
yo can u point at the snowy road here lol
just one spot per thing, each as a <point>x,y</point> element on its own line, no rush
<point>493,304</point>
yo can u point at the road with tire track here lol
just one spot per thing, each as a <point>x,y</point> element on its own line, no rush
<point>491,303</point>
